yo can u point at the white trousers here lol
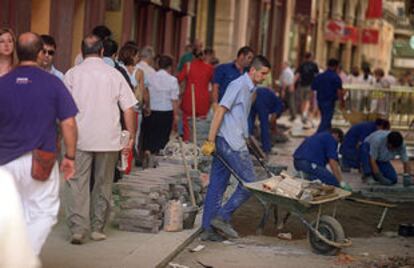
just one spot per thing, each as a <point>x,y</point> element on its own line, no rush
<point>15,248</point>
<point>39,199</point>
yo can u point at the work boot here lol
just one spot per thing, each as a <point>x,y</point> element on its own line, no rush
<point>97,236</point>
<point>224,227</point>
<point>77,239</point>
<point>211,235</point>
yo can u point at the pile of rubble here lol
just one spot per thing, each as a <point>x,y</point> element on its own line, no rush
<point>299,189</point>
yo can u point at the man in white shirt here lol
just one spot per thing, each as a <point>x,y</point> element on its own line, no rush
<point>99,91</point>
<point>287,89</point>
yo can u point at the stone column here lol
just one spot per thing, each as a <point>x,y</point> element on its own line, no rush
<point>361,7</point>
<point>349,21</point>
<point>224,30</point>
<point>337,12</point>
<point>320,52</point>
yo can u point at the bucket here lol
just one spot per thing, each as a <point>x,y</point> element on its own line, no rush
<point>189,217</point>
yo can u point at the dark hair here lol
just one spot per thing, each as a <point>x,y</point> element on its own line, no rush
<point>395,139</point>
<point>382,123</point>
<point>127,54</point>
<point>91,44</point>
<point>28,51</point>
<point>308,55</point>
<point>131,43</point>
<point>48,40</point>
<point>102,32</point>
<point>110,47</point>
<point>208,51</point>
<point>333,63</point>
<point>338,132</point>
<point>244,51</point>
<point>197,53</point>
<point>165,61</point>
<point>260,61</point>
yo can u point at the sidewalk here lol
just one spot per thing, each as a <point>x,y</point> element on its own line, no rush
<point>120,250</point>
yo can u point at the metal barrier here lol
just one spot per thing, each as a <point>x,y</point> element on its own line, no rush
<point>367,103</point>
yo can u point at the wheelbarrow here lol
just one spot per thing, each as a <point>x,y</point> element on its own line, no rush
<point>325,234</point>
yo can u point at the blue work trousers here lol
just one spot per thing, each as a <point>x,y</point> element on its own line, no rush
<point>219,179</point>
<point>313,171</point>
<point>327,110</point>
<point>264,126</point>
<point>350,156</point>
<point>385,167</point>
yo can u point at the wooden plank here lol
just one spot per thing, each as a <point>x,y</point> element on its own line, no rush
<point>371,202</point>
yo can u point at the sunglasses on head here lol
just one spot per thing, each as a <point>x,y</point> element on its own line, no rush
<point>50,52</point>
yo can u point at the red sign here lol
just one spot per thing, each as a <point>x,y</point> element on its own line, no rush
<point>370,36</point>
<point>337,30</point>
<point>374,9</point>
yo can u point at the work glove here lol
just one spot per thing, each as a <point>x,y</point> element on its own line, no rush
<point>345,186</point>
<point>407,180</point>
<point>381,179</point>
<point>208,148</point>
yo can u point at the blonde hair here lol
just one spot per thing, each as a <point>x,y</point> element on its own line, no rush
<point>10,31</point>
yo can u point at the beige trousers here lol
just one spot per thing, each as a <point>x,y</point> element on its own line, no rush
<point>84,210</point>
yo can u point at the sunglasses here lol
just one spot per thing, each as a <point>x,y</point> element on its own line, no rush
<point>50,52</point>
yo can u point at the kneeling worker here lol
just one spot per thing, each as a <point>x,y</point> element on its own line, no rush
<point>377,151</point>
<point>315,152</point>
<point>354,138</point>
<point>227,138</point>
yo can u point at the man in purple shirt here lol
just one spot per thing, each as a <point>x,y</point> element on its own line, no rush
<point>31,102</point>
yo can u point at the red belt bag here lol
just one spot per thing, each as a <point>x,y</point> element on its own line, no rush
<point>42,164</point>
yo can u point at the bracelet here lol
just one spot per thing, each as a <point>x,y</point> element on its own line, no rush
<point>69,158</point>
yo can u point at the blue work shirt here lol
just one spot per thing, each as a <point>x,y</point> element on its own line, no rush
<point>238,100</point>
<point>266,103</point>
<point>223,75</point>
<point>379,150</point>
<point>318,149</point>
<point>326,85</point>
<point>357,134</point>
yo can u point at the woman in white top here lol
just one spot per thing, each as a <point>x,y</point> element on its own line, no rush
<point>164,100</point>
<point>7,50</point>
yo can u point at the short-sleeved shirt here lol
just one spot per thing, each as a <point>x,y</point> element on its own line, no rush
<point>31,100</point>
<point>147,69</point>
<point>238,100</point>
<point>99,91</point>
<point>327,85</point>
<point>357,134</point>
<point>56,73</point>
<point>287,77</point>
<point>223,75</point>
<point>163,89</point>
<point>379,150</point>
<point>307,71</point>
<point>318,148</point>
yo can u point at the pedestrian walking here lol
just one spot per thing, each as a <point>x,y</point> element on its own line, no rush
<point>31,102</point>
<point>99,91</point>
<point>287,89</point>
<point>48,56</point>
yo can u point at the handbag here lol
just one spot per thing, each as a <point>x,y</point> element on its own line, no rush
<point>42,164</point>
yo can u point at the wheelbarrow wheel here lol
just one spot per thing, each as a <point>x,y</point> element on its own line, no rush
<point>332,230</point>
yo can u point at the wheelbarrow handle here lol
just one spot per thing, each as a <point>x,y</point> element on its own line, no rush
<point>232,171</point>
<point>259,158</point>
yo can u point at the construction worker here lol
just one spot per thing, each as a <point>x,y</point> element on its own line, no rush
<point>377,150</point>
<point>227,138</point>
<point>328,87</point>
<point>354,138</point>
<point>315,152</point>
<point>266,104</point>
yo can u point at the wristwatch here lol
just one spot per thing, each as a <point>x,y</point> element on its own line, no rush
<point>69,158</point>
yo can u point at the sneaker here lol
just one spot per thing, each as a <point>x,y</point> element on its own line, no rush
<point>224,227</point>
<point>76,239</point>
<point>97,236</point>
<point>210,235</point>
<point>369,180</point>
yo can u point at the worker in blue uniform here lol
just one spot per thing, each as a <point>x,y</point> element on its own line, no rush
<point>377,151</point>
<point>266,104</point>
<point>353,139</point>
<point>315,152</point>
<point>328,87</point>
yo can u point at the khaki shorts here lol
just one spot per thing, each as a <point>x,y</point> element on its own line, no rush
<point>305,93</point>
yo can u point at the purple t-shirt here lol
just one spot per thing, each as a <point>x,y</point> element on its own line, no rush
<point>31,100</point>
